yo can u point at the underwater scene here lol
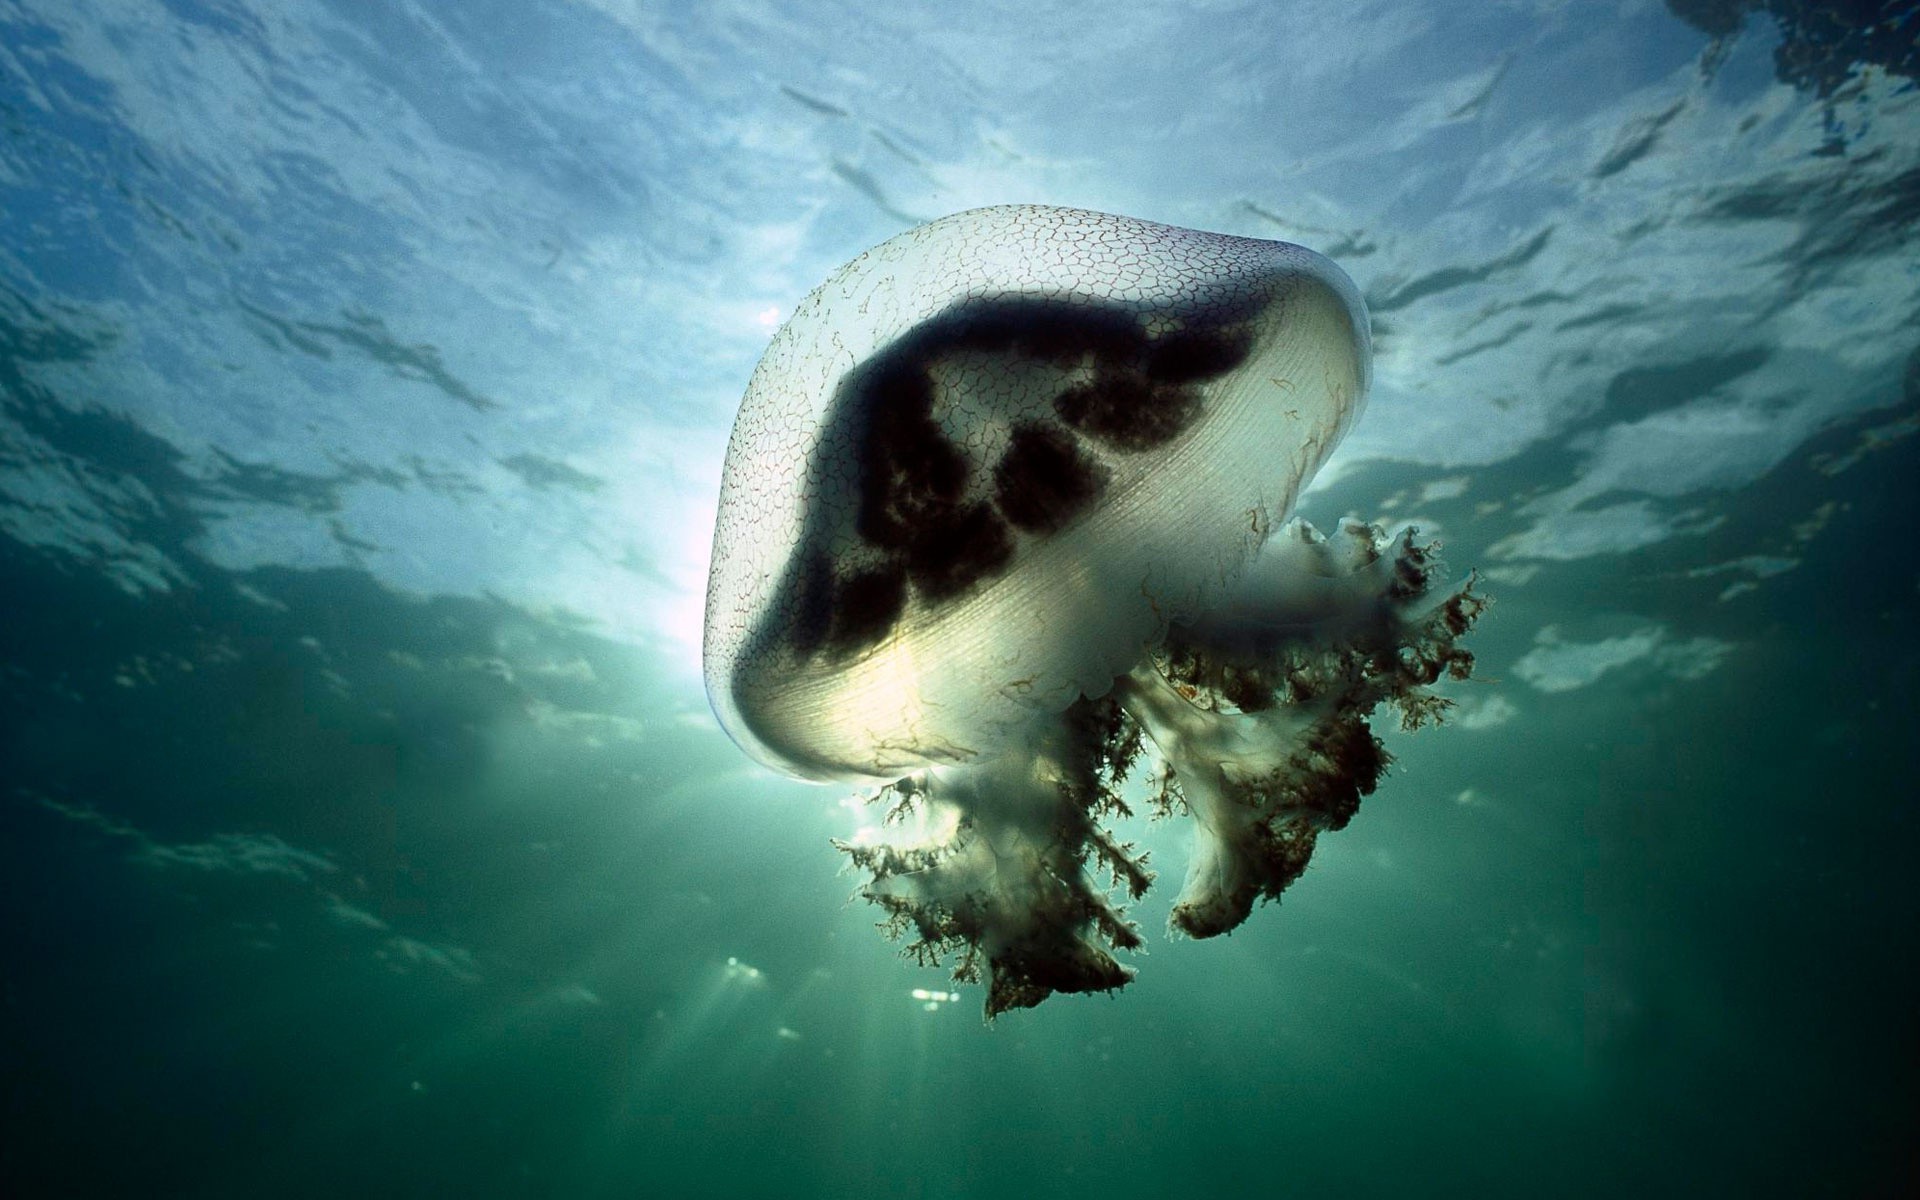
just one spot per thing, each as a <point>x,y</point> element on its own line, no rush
<point>1197,598</point>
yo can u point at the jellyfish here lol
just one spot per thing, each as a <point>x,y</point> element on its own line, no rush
<point>1005,511</point>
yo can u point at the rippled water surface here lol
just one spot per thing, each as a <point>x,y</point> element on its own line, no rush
<point>365,375</point>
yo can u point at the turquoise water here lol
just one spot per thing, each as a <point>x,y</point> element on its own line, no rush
<point>365,376</point>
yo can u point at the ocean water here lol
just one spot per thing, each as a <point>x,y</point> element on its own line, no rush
<point>366,371</point>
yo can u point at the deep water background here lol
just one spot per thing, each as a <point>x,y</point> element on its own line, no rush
<point>365,374</point>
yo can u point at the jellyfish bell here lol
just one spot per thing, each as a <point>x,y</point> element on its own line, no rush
<point>992,428</point>
<point>992,522</point>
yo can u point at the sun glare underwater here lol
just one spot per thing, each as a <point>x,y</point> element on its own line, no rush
<point>492,646</point>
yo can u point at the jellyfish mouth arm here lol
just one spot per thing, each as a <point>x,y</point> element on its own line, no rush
<point>1307,583</point>
<point>999,875</point>
<point>1259,717</point>
<point>1259,713</point>
<point>1228,772</point>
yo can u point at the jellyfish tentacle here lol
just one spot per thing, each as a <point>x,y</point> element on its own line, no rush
<point>1260,713</point>
<point>1005,874</point>
<point>1259,716</point>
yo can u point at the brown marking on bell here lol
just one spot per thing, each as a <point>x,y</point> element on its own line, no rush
<point>1045,480</point>
<point>1124,411</point>
<point>953,556</point>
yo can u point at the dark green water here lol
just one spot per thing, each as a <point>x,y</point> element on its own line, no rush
<point>363,380</point>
